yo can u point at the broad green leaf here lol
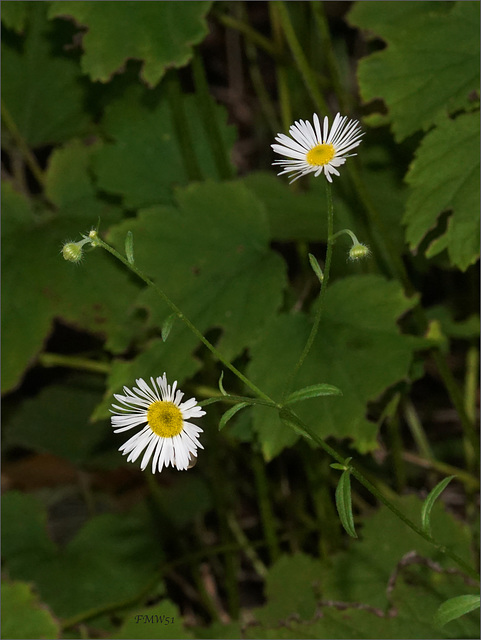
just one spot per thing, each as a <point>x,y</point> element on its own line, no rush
<point>210,255</point>
<point>42,90</point>
<point>465,329</point>
<point>455,608</point>
<point>38,285</point>
<point>69,186</point>
<point>358,349</point>
<point>445,176</point>
<point>343,503</point>
<point>174,357</point>
<point>57,420</point>
<point>430,65</point>
<point>314,391</point>
<point>301,604</point>
<point>231,630</point>
<point>23,615</point>
<point>192,493</point>
<point>125,547</point>
<point>302,215</point>
<point>429,503</point>
<point>163,620</point>
<point>14,14</point>
<point>143,162</point>
<point>160,34</point>
<point>411,616</point>
<point>295,214</point>
<point>231,412</point>
<point>290,589</point>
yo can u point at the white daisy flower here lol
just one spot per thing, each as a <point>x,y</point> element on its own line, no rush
<point>316,149</point>
<point>166,436</point>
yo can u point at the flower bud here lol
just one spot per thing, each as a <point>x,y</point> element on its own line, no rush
<point>72,251</point>
<point>359,251</point>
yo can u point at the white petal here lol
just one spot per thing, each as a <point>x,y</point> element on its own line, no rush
<point>317,127</point>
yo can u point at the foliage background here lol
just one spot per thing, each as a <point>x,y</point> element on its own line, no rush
<point>156,117</point>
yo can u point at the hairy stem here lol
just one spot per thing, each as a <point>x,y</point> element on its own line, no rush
<point>97,241</point>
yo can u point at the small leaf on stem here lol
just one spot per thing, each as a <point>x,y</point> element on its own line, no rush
<point>343,503</point>
<point>429,503</point>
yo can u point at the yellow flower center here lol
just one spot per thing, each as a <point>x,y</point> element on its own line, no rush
<point>165,419</point>
<point>320,155</point>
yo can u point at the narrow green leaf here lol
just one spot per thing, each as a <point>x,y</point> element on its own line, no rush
<point>429,502</point>
<point>290,420</point>
<point>129,247</point>
<point>231,412</point>
<point>455,608</point>
<point>314,391</point>
<point>341,467</point>
<point>343,503</point>
<point>167,326</point>
<point>221,386</point>
<point>316,267</point>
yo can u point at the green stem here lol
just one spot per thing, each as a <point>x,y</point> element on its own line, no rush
<point>417,430</point>
<point>386,247</point>
<point>348,232</point>
<point>267,516</point>
<point>396,451</point>
<point>454,391</point>
<point>301,60</point>
<point>265,99</point>
<point>398,270</point>
<point>246,545</point>
<point>469,480</point>
<point>251,34</point>
<point>317,317</point>
<point>281,74</point>
<point>286,414</point>
<point>211,126</point>
<point>181,127</point>
<point>97,241</point>
<point>72,362</point>
<point>328,51</point>
<point>471,443</point>
<point>22,146</point>
<point>291,417</point>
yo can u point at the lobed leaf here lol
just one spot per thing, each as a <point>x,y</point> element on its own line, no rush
<point>359,349</point>
<point>444,176</point>
<point>143,161</point>
<point>430,65</point>
<point>161,34</point>
<point>24,615</point>
<point>42,90</point>
<point>72,579</point>
<point>210,254</point>
<point>57,289</point>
